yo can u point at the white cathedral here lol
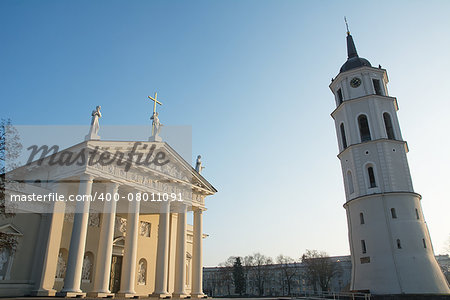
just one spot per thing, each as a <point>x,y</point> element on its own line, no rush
<point>390,244</point>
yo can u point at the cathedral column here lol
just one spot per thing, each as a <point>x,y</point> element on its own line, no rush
<point>180,260</point>
<point>72,281</point>
<point>128,276</point>
<point>162,256</point>
<point>105,247</point>
<point>197,265</point>
<point>53,223</point>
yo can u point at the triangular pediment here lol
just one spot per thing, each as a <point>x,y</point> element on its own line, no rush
<point>157,160</point>
<point>135,161</point>
<point>10,229</point>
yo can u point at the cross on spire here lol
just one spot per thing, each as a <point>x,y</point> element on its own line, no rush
<point>154,102</point>
<point>346,24</point>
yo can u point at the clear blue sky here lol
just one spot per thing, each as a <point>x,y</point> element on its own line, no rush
<point>251,78</point>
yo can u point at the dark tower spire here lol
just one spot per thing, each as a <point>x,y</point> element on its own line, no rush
<point>351,49</point>
<point>353,60</point>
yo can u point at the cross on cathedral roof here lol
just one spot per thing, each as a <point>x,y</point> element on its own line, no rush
<point>156,125</point>
<point>154,101</point>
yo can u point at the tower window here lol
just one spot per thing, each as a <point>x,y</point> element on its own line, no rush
<point>344,138</point>
<point>393,213</point>
<point>417,214</point>
<point>424,243</point>
<point>399,245</point>
<point>364,130</point>
<point>372,182</point>
<point>361,218</point>
<point>388,126</point>
<point>363,246</point>
<point>351,189</point>
<point>339,95</point>
<point>377,86</point>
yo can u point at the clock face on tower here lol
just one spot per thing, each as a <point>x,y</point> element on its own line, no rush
<point>355,82</point>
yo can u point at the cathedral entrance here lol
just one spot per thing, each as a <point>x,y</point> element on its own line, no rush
<point>116,270</point>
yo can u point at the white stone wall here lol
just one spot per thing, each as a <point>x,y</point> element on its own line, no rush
<point>389,241</point>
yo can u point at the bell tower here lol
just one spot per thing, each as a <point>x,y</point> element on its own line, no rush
<point>390,245</point>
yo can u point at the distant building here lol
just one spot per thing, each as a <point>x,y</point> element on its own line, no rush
<point>270,280</point>
<point>218,281</point>
<point>444,263</point>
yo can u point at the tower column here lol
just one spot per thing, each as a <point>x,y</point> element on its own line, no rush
<point>72,282</point>
<point>389,241</point>
<point>53,223</point>
<point>105,247</point>
<point>128,276</point>
<point>197,265</point>
<point>180,261</point>
<point>162,256</point>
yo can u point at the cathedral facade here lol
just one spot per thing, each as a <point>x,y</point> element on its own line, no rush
<point>117,229</point>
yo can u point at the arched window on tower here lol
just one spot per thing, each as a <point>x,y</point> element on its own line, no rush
<point>361,218</point>
<point>388,126</point>
<point>344,138</point>
<point>364,130</point>
<point>351,189</point>
<point>393,213</point>
<point>399,244</point>
<point>363,246</point>
<point>372,181</point>
<point>377,86</point>
<point>339,95</point>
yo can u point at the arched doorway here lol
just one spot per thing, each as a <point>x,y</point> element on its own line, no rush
<point>116,264</point>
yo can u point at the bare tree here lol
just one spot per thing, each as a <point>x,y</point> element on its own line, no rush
<point>260,272</point>
<point>320,269</point>
<point>226,273</point>
<point>288,270</point>
<point>10,148</point>
<point>247,262</point>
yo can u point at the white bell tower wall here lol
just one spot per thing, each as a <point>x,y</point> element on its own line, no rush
<point>390,244</point>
